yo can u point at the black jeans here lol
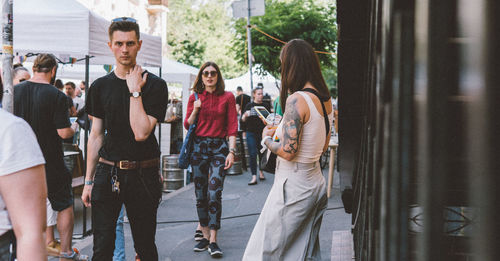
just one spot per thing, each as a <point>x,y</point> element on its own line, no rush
<point>140,192</point>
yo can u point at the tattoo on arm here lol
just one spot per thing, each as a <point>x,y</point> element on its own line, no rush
<point>273,146</point>
<point>291,127</point>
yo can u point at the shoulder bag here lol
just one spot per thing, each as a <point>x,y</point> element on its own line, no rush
<point>187,145</point>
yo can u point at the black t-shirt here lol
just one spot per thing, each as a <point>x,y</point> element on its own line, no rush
<point>70,101</point>
<point>45,108</point>
<point>108,98</point>
<point>253,122</point>
<point>242,100</point>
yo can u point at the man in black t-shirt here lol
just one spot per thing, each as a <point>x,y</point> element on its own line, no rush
<point>241,99</point>
<point>46,110</point>
<point>123,164</point>
<point>71,106</point>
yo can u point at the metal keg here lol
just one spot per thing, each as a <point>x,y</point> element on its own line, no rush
<point>173,176</point>
<point>236,168</point>
<point>71,154</point>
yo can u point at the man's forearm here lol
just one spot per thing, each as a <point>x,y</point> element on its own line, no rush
<point>95,143</point>
<point>139,120</point>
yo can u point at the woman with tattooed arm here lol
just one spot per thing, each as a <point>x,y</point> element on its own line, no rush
<point>288,226</point>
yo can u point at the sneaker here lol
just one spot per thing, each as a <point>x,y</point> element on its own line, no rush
<point>75,255</point>
<point>214,250</point>
<point>53,248</point>
<point>198,235</point>
<point>202,246</point>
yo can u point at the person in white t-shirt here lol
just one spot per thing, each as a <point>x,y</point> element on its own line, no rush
<point>70,90</point>
<point>23,189</point>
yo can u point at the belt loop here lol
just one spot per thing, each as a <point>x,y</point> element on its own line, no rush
<point>296,166</point>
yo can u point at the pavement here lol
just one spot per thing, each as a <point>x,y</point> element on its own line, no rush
<point>177,220</point>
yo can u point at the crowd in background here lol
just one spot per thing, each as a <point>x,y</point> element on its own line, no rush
<point>123,168</point>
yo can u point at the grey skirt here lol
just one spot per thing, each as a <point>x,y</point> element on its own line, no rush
<point>288,226</point>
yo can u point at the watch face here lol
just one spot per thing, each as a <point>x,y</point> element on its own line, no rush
<point>136,94</point>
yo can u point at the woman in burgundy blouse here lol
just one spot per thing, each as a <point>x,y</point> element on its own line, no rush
<point>216,112</point>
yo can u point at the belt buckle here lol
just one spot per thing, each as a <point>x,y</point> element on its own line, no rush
<point>123,162</point>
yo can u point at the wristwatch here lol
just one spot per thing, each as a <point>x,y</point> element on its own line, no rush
<point>89,182</point>
<point>233,150</point>
<point>135,94</point>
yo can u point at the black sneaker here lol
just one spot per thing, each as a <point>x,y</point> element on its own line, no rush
<point>214,250</point>
<point>198,235</point>
<point>202,246</point>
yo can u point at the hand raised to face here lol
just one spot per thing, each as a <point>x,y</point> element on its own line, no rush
<point>135,81</point>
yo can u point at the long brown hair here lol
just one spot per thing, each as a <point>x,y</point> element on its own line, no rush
<point>299,65</point>
<point>198,85</point>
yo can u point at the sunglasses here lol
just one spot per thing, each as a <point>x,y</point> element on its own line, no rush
<point>209,73</point>
<point>124,19</point>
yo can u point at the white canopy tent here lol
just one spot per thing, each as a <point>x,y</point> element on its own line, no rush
<point>172,71</point>
<point>66,28</point>
<point>268,81</point>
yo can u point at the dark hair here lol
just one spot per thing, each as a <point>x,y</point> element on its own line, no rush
<point>239,89</point>
<point>257,88</point>
<point>198,85</point>
<point>44,63</point>
<point>59,84</point>
<point>17,65</point>
<point>299,65</point>
<point>124,26</point>
<point>73,86</point>
<point>19,68</point>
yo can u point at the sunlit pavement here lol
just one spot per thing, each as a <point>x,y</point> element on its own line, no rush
<point>177,220</point>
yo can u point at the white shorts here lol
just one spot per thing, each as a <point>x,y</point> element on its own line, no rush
<point>51,215</point>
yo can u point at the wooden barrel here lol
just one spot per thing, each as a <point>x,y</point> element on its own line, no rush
<point>173,176</point>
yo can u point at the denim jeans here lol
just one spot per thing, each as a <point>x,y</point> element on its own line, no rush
<point>140,192</point>
<point>254,147</point>
<point>119,253</point>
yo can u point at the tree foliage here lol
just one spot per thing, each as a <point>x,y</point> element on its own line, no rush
<point>309,20</point>
<point>200,31</point>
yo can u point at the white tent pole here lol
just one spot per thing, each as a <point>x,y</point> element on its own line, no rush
<point>7,55</point>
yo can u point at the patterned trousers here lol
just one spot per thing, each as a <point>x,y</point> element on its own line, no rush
<point>208,159</point>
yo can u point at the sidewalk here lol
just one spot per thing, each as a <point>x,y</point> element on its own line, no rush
<point>177,220</point>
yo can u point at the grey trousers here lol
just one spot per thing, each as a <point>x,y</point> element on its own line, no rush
<point>288,226</point>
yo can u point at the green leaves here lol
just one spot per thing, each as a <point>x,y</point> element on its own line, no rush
<point>287,20</point>
<point>200,31</point>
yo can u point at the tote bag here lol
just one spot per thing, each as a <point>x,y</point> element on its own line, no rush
<point>187,145</point>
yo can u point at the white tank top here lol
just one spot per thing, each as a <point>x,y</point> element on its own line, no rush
<point>313,135</point>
